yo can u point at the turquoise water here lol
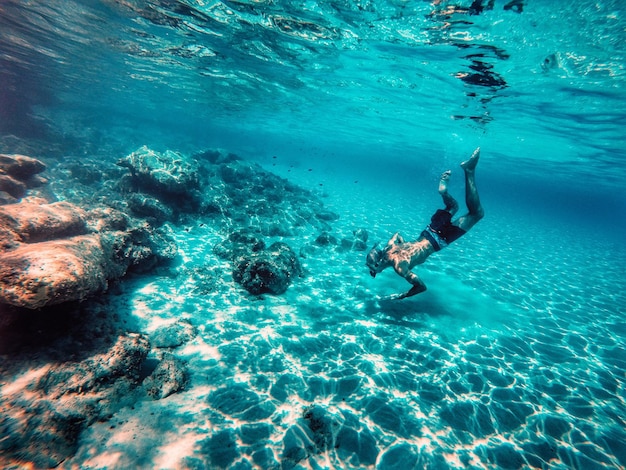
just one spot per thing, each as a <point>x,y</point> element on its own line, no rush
<point>515,357</point>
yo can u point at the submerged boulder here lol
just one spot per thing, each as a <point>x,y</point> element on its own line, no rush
<point>168,377</point>
<point>20,166</point>
<point>56,253</point>
<point>325,239</point>
<point>150,208</point>
<point>18,173</point>
<point>51,253</point>
<point>35,220</point>
<point>45,412</point>
<point>52,272</point>
<point>269,270</point>
<point>168,175</point>
<point>173,335</point>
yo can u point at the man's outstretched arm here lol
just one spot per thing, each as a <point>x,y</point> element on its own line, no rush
<point>418,285</point>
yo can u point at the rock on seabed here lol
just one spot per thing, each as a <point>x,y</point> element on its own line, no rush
<point>51,253</point>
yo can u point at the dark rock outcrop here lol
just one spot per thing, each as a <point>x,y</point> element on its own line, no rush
<point>44,414</point>
<point>325,239</point>
<point>56,252</point>
<point>150,208</point>
<point>53,272</point>
<point>247,197</point>
<point>168,377</point>
<point>269,270</point>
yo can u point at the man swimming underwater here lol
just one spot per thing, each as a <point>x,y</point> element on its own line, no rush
<point>404,256</point>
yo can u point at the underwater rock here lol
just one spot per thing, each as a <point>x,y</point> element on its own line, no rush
<point>267,271</point>
<point>11,189</point>
<point>34,220</point>
<point>86,173</point>
<point>237,174</point>
<point>325,239</point>
<point>169,376</point>
<point>56,253</point>
<point>326,215</point>
<point>103,219</point>
<point>18,173</point>
<point>358,241</point>
<point>44,414</point>
<point>168,173</point>
<point>52,272</point>
<point>241,192</point>
<point>139,249</point>
<point>123,360</point>
<point>20,166</point>
<point>148,207</point>
<point>322,425</point>
<point>173,335</point>
<point>313,434</point>
<point>205,278</point>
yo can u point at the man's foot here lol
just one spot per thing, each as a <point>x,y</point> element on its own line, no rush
<point>471,163</point>
<point>443,182</point>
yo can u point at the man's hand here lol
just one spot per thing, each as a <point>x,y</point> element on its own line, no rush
<point>413,291</point>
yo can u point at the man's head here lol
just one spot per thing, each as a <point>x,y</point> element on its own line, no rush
<point>373,260</point>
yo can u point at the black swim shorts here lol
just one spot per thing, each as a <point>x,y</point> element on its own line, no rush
<point>440,233</point>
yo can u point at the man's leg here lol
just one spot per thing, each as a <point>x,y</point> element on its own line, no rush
<point>475,209</point>
<point>451,205</point>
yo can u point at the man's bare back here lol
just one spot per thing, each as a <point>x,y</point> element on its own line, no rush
<point>403,256</point>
